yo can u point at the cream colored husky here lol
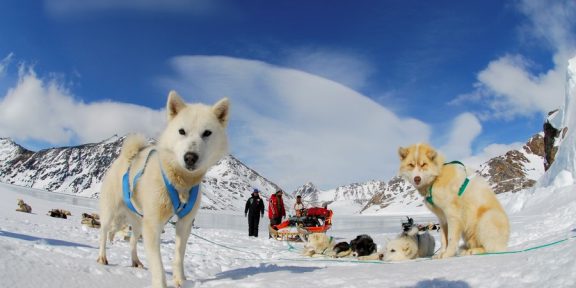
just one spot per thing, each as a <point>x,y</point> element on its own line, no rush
<point>466,207</point>
<point>194,140</point>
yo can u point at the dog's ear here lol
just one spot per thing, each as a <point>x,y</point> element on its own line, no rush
<point>431,154</point>
<point>174,105</point>
<point>221,110</point>
<point>403,153</point>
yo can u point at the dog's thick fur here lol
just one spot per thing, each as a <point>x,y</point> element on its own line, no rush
<point>322,245</point>
<point>23,207</point>
<point>362,245</point>
<point>410,245</point>
<point>476,216</point>
<point>193,140</point>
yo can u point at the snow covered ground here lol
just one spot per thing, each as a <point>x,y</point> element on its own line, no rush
<point>40,251</point>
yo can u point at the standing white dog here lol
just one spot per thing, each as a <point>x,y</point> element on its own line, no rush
<point>147,185</point>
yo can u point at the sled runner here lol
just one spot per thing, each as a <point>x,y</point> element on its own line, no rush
<point>314,220</point>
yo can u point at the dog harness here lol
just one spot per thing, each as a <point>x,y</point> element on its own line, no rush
<point>181,209</point>
<point>460,191</point>
<point>329,241</point>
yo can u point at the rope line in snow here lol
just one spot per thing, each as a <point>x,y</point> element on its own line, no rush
<point>222,245</point>
<point>528,249</point>
<point>291,248</point>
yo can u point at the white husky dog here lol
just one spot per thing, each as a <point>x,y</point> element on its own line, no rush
<point>410,245</point>
<point>161,181</point>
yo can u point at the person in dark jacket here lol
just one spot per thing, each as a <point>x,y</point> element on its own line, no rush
<point>254,206</point>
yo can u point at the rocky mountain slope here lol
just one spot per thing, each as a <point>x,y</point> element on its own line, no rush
<point>79,170</point>
<point>516,169</point>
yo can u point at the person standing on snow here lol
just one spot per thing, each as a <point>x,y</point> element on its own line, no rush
<point>276,209</point>
<point>254,206</point>
<point>299,206</point>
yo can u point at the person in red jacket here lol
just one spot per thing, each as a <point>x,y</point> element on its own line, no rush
<point>276,209</point>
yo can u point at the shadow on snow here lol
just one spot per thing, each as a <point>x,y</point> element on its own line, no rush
<point>263,268</point>
<point>46,241</point>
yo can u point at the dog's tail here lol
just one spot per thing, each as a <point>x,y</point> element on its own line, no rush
<point>132,145</point>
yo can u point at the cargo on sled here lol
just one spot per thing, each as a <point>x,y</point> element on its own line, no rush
<point>313,220</point>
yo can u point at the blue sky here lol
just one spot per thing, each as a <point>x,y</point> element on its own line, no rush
<point>321,91</point>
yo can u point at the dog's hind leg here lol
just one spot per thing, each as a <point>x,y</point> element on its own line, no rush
<point>493,231</point>
<point>104,226</point>
<point>136,233</point>
<point>183,228</point>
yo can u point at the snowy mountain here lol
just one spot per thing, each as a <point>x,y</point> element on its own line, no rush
<point>230,183</point>
<point>79,170</point>
<point>75,170</point>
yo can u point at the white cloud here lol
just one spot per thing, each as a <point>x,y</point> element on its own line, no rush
<point>71,8</point>
<point>345,68</point>
<point>39,109</point>
<point>295,127</point>
<point>4,64</point>
<point>465,128</point>
<point>507,88</point>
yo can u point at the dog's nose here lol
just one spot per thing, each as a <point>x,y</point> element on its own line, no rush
<point>417,180</point>
<point>190,158</point>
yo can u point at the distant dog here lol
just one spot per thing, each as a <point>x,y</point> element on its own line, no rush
<point>362,245</point>
<point>320,244</point>
<point>90,220</point>
<point>192,142</point>
<point>466,207</point>
<point>364,248</point>
<point>410,245</point>
<point>23,207</point>
<point>59,213</point>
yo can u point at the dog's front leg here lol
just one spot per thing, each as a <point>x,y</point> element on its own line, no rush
<point>452,235</point>
<point>183,228</point>
<point>443,238</point>
<point>151,233</point>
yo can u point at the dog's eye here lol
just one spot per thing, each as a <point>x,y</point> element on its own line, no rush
<point>392,251</point>
<point>206,133</point>
<point>182,132</point>
<point>423,165</point>
<point>411,165</point>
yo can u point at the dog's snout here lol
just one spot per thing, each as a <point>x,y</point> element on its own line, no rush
<point>417,180</point>
<point>190,158</point>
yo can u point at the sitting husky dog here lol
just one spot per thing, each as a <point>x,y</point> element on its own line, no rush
<point>466,207</point>
<point>23,207</point>
<point>410,245</point>
<point>147,185</point>
<point>322,244</point>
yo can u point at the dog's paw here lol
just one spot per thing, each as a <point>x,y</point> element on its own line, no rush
<point>179,283</point>
<point>443,255</point>
<point>137,264</point>
<point>102,260</point>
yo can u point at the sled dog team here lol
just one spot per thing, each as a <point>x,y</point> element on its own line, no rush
<point>149,184</point>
